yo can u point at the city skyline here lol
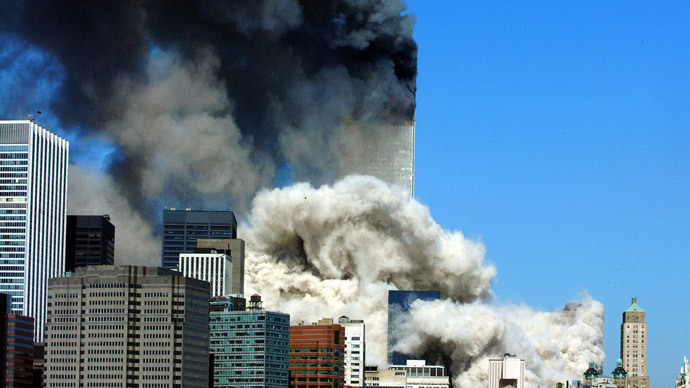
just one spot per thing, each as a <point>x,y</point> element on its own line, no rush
<point>553,136</point>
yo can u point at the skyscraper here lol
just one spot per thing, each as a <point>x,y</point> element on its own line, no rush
<point>33,192</point>
<point>181,229</point>
<point>355,350</point>
<point>398,306</point>
<point>213,267</point>
<point>508,371</point>
<point>250,348</point>
<point>634,345</point>
<point>127,326</point>
<point>90,241</point>
<point>385,151</point>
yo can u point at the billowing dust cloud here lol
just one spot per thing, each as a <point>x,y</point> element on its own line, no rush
<point>205,103</point>
<point>338,249</point>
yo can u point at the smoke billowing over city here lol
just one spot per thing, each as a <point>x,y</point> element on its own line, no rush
<point>211,104</point>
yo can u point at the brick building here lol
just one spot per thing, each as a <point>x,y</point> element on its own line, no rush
<point>16,347</point>
<point>317,355</point>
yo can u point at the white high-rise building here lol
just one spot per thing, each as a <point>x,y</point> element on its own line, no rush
<point>214,267</point>
<point>507,372</point>
<point>355,350</point>
<point>33,212</point>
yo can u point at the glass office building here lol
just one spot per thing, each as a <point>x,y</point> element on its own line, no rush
<point>181,229</point>
<point>250,348</point>
<point>33,190</point>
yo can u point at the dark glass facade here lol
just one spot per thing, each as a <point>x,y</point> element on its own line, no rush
<point>250,348</point>
<point>398,306</point>
<point>90,241</point>
<point>181,229</point>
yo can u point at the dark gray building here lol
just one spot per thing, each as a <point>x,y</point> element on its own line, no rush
<point>90,240</point>
<point>181,229</point>
<point>398,306</point>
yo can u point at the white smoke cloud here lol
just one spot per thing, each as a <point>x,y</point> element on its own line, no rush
<point>556,345</point>
<point>338,249</point>
<point>91,191</point>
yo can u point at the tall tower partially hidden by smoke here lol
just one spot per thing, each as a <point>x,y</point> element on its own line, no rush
<point>399,302</point>
<point>33,212</point>
<point>385,151</point>
<point>634,345</point>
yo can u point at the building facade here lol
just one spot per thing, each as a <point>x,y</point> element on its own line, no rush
<point>634,345</point>
<point>182,229</point>
<point>16,346</point>
<point>33,192</point>
<point>508,371</point>
<point>385,378</point>
<point>250,348</point>
<point>90,241</point>
<point>127,326</point>
<point>233,247</point>
<point>355,351</point>
<point>398,308</point>
<point>385,151</point>
<point>317,356</point>
<point>421,375</point>
<point>215,268</point>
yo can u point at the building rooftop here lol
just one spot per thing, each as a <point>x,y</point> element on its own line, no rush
<point>634,307</point>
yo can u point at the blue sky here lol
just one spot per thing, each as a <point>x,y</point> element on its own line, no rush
<point>558,133</point>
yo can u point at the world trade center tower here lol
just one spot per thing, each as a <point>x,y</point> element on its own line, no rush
<point>33,213</point>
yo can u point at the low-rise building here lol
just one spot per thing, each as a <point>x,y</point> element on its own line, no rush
<point>385,378</point>
<point>421,375</point>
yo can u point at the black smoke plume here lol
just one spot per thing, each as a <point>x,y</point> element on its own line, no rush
<point>273,80</point>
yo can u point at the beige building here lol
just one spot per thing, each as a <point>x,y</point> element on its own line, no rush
<point>234,247</point>
<point>508,371</point>
<point>385,378</point>
<point>421,375</point>
<point>127,326</point>
<point>634,346</point>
